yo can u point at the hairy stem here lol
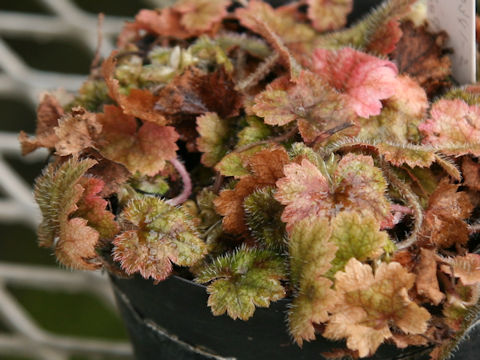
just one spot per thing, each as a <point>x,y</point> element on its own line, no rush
<point>412,199</point>
<point>187,183</point>
<point>260,72</point>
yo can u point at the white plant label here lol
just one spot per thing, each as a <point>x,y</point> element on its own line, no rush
<point>457,19</point>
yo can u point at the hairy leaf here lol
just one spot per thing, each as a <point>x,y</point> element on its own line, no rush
<point>255,131</point>
<point>471,173</point>
<point>369,302</point>
<point>365,79</point>
<point>356,236</point>
<point>266,168</point>
<point>57,193</point>
<point>162,235</point>
<point>263,218</point>
<point>242,280</point>
<point>311,254</point>
<point>234,163</point>
<point>453,123</point>
<point>283,24</point>
<point>401,114</point>
<point>317,108</point>
<point>356,184</point>
<point>145,149</point>
<point>466,268</point>
<point>329,15</point>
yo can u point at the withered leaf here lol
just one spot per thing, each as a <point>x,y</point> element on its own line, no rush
<point>427,282</point>
<point>195,92</point>
<point>76,131</point>
<point>471,173</point>
<point>49,111</point>
<point>444,223</point>
<point>421,55</point>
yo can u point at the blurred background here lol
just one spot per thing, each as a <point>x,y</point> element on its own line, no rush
<point>46,312</point>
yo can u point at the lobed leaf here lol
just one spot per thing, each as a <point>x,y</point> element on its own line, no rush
<point>243,279</point>
<point>363,78</point>
<point>145,149</point>
<point>356,184</point>
<point>311,254</point>
<point>57,193</point>
<point>329,15</point>
<point>266,168</point>
<point>317,108</point>
<point>369,303</point>
<point>162,235</point>
<point>453,123</point>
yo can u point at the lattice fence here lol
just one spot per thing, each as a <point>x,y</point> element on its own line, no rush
<point>64,20</point>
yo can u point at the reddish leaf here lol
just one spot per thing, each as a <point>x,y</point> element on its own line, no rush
<point>316,107</point>
<point>364,78</point>
<point>139,103</point>
<point>355,185</point>
<point>92,207</point>
<point>145,149</point>
<point>384,40</point>
<point>453,124</point>
<point>266,167</point>
<point>471,173</point>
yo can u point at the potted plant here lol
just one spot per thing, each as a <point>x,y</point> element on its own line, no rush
<point>277,167</point>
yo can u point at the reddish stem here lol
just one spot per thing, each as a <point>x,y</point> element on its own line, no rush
<point>401,209</point>
<point>187,183</point>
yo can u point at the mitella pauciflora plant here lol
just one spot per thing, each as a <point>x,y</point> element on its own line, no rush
<point>273,153</point>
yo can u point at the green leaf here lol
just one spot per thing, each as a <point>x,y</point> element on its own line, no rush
<point>162,234</point>
<point>263,218</point>
<point>57,191</point>
<point>214,135</point>
<point>311,254</point>
<point>356,236</point>
<point>255,131</point>
<point>243,279</point>
<point>233,164</point>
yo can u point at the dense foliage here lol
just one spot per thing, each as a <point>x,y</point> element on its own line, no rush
<point>273,153</point>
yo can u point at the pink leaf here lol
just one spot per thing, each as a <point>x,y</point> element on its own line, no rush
<point>364,78</point>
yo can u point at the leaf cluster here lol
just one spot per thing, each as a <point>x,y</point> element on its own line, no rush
<point>272,153</point>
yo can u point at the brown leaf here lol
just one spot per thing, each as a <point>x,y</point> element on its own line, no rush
<point>196,92</point>
<point>139,103</point>
<point>112,173</point>
<point>48,112</point>
<point>76,131</point>
<point>444,223</point>
<point>420,54</point>
<point>471,173</point>
<point>266,167</point>
<point>427,282</point>
<point>144,149</point>
<point>466,268</point>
